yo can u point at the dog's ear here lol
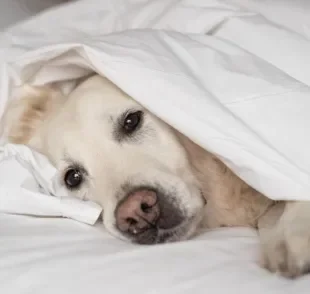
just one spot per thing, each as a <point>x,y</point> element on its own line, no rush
<point>26,113</point>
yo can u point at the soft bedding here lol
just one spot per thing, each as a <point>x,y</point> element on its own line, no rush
<point>230,79</point>
<point>29,186</point>
<point>62,256</point>
<point>238,78</point>
<point>13,11</point>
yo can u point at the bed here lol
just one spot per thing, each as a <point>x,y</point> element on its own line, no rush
<point>59,255</point>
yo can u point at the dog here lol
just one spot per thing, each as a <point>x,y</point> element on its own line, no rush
<point>153,183</point>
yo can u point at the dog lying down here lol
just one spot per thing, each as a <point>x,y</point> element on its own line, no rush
<point>154,184</point>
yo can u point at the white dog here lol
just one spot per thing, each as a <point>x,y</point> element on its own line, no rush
<point>154,184</point>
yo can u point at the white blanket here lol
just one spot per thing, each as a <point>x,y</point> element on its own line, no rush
<point>230,80</point>
<point>29,186</point>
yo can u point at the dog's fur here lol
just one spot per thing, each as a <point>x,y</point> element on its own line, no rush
<point>82,130</point>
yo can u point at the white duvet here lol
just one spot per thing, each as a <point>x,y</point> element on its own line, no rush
<point>233,81</point>
<point>229,79</point>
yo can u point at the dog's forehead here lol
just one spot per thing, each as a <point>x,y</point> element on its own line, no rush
<point>99,95</point>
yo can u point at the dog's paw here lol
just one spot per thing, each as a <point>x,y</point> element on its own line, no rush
<point>287,251</point>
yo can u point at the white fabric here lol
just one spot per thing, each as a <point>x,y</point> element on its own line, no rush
<point>43,255</point>
<point>28,185</point>
<point>241,91</point>
<point>13,11</point>
<point>292,15</point>
<point>49,256</point>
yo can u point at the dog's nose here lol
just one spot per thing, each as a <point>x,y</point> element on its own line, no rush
<point>138,212</point>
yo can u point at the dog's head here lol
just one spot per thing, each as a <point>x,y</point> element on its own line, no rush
<point>109,149</point>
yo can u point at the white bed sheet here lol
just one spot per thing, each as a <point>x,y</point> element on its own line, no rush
<point>49,255</point>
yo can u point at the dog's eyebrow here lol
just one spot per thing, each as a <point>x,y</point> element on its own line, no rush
<point>72,163</point>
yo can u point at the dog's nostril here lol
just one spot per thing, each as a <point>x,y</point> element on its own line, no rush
<point>131,221</point>
<point>137,214</point>
<point>145,207</point>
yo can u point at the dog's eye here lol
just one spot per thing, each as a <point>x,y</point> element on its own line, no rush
<point>132,121</point>
<point>73,178</point>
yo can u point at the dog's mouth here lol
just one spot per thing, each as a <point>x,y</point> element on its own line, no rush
<point>156,235</point>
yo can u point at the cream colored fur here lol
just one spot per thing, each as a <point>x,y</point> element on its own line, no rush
<point>79,127</point>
